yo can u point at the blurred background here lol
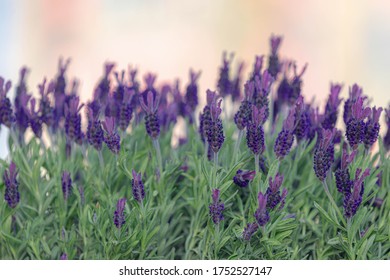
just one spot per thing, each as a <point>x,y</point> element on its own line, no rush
<point>342,41</point>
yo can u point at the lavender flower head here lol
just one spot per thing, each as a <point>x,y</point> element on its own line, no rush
<point>354,93</point>
<point>11,195</point>
<point>104,84</point>
<point>215,136</point>
<point>273,60</point>
<point>261,215</point>
<point>21,115</point>
<point>262,89</point>
<point>371,130</point>
<point>331,109</point>
<point>386,139</point>
<point>243,177</point>
<point>192,90</point>
<point>273,192</point>
<point>152,122</point>
<point>216,207</point>
<point>356,125</point>
<point>257,66</point>
<point>47,111</point>
<point>323,154</point>
<point>205,116</point>
<point>242,117</point>
<point>302,119</point>
<point>119,215</point>
<point>64,257</point>
<point>353,200</point>
<point>34,118</point>
<point>249,231</point>
<point>137,187</point>
<point>111,137</point>
<point>95,133</point>
<point>6,115</point>
<point>285,138</point>
<point>255,132</point>
<point>73,120</point>
<point>343,181</point>
<point>66,183</point>
<point>125,112</point>
<point>224,83</point>
<point>60,83</point>
<point>236,83</point>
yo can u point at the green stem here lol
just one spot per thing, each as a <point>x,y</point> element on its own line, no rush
<point>214,178</point>
<point>156,145</point>
<point>341,217</point>
<point>237,145</point>
<point>257,158</point>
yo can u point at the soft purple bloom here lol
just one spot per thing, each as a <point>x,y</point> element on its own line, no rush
<point>6,115</point>
<point>120,88</point>
<point>82,194</point>
<point>21,114</point>
<point>95,133</point>
<point>60,83</point>
<point>356,125</point>
<point>192,90</point>
<point>64,257</point>
<point>236,83</point>
<point>73,120</point>
<point>386,139</point>
<point>125,111</point>
<point>261,215</point>
<point>119,215</point>
<point>331,110</point>
<point>216,207</point>
<point>353,200</point>
<point>262,89</point>
<point>104,84</point>
<point>34,118</point>
<point>290,88</point>
<point>285,138</point>
<point>215,136</point>
<point>205,116</point>
<point>255,132</point>
<point>296,82</point>
<point>323,154</point>
<point>111,137</point>
<point>22,85</point>
<point>273,192</point>
<point>302,119</point>
<point>371,130</point>
<point>66,183</point>
<point>151,119</point>
<point>224,83</point>
<point>11,194</point>
<point>273,60</point>
<point>137,187</point>
<point>47,111</point>
<point>249,230</point>
<point>343,181</point>
<point>243,177</point>
<point>244,114</point>
<point>354,93</point>
<point>257,66</point>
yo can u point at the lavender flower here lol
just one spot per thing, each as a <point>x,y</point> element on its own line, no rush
<point>354,93</point>
<point>111,137</point>
<point>104,84</point>
<point>255,132</point>
<point>242,117</point>
<point>6,116</point>
<point>137,187</point>
<point>34,118</point>
<point>64,257</point>
<point>285,138</point>
<point>59,93</point>
<point>257,66</point>
<point>60,83</point>
<point>273,192</point>
<point>66,183</point>
<point>215,136</point>
<point>11,195</point>
<point>192,90</point>
<point>323,154</point>
<point>356,126</point>
<point>353,200</point>
<point>273,60</point>
<point>205,117</point>
<point>249,230</point>
<point>296,83</point>
<point>22,86</point>
<point>47,111</point>
<point>236,83</point>
<point>125,109</point>
<point>290,89</point>
<point>151,119</point>
<point>119,216</point>
<point>343,181</point>
<point>386,139</point>
<point>261,92</point>
<point>224,83</point>
<point>331,109</point>
<point>119,91</point>
<point>95,133</point>
<point>261,215</point>
<point>216,207</point>
<point>73,120</point>
<point>21,115</point>
<point>243,177</point>
<point>371,130</point>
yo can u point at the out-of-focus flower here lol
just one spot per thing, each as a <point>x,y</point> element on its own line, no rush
<point>353,200</point>
<point>216,207</point>
<point>192,90</point>
<point>273,60</point>
<point>285,138</point>
<point>119,215</point>
<point>262,89</point>
<point>111,137</point>
<point>261,214</point>
<point>224,83</point>
<point>137,187</point>
<point>236,83</point>
<point>95,133</point>
<point>331,110</point>
<point>323,154</point>
<point>47,111</point>
<point>371,130</point>
<point>354,93</point>
<point>66,183</point>
<point>386,139</point>
<point>11,195</point>
<point>249,230</point>
<point>6,115</point>
<point>243,177</point>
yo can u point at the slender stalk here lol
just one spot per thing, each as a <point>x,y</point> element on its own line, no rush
<point>332,201</point>
<point>156,145</point>
<point>237,145</point>
<point>257,159</point>
<point>206,149</point>
<point>101,159</point>
<point>214,178</point>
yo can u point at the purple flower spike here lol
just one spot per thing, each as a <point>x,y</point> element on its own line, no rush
<point>125,113</point>
<point>216,207</point>
<point>192,90</point>
<point>64,257</point>
<point>243,177</point>
<point>47,113</point>
<point>331,109</point>
<point>119,215</point>
<point>224,83</point>
<point>152,122</point>
<point>343,181</point>
<point>137,187</point>
<point>34,119</point>
<point>104,84</point>
<point>249,231</point>
<point>6,115</point>
<point>261,214</point>
<point>356,125</point>
<point>205,116</point>
<point>371,130</point>
<point>354,93</point>
<point>66,183</point>
<point>242,117</point>
<point>21,114</point>
<point>215,136</point>
<point>273,192</point>
<point>255,132</point>
<point>283,199</point>
<point>261,92</point>
<point>285,138</point>
<point>111,137</point>
<point>94,131</point>
<point>353,200</point>
<point>323,154</point>
<point>60,83</point>
<point>273,60</point>
<point>73,120</point>
<point>258,65</point>
<point>386,139</point>
<point>11,194</point>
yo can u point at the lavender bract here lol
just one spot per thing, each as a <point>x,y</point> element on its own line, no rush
<point>261,215</point>
<point>353,199</point>
<point>111,137</point>
<point>354,93</point>
<point>243,177</point>
<point>356,125</point>
<point>331,109</point>
<point>137,187</point>
<point>216,207</point>
<point>119,215</point>
<point>11,194</point>
<point>273,192</point>
<point>249,231</point>
<point>273,60</point>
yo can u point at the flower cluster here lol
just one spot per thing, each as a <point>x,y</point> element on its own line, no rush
<point>216,207</point>
<point>12,195</point>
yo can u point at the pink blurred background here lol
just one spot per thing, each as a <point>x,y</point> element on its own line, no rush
<point>342,41</point>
